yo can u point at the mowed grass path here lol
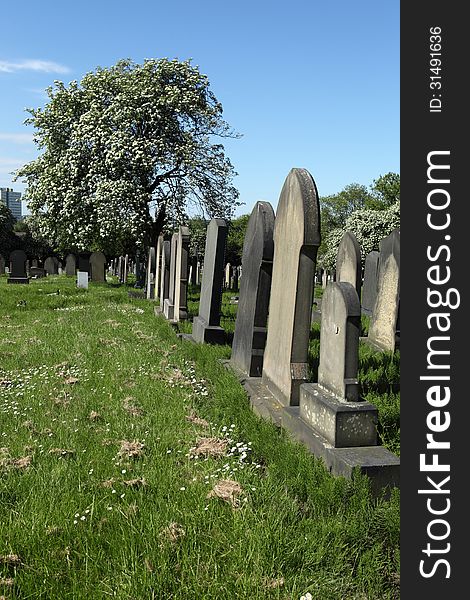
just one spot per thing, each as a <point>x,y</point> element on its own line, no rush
<point>132,467</point>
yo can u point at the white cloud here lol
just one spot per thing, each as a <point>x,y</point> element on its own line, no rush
<point>17,138</point>
<point>44,66</point>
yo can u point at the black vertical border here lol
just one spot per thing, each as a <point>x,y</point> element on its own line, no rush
<point>422,132</point>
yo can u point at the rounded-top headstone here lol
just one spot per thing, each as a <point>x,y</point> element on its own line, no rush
<point>296,241</point>
<point>339,341</point>
<point>18,260</point>
<point>250,327</point>
<point>348,261</point>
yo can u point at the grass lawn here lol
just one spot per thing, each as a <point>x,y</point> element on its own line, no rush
<point>132,467</point>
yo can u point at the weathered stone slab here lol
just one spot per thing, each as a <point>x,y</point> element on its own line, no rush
<point>206,326</point>
<point>98,267</point>
<point>51,265</point>
<point>383,323</point>
<point>369,288</point>
<point>70,265</point>
<point>348,261</point>
<point>296,241</point>
<point>150,275</point>
<point>180,311</point>
<point>165,273</point>
<point>250,334</point>
<point>158,266</point>
<point>169,303</point>
<point>82,279</point>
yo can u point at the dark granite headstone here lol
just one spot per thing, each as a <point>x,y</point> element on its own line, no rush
<point>84,262</point>
<point>348,261</point>
<point>296,241</point>
<point>249,339</point>
<point>18,260</point>
<point>2,265</point>
<point>70,265</point>
<point>193,270</point>
<point>98,267</point>
<point>369,288</point>
<point>206,326</point>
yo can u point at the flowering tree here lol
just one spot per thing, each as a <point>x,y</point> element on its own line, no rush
<point>125,143</point>
<point>369,227</point>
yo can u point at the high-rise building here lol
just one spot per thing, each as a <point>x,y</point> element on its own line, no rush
<point>12,200</point>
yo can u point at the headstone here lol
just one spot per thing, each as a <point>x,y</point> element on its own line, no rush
<point>206,326</point>
<point>125,269</point>
<point>158,266</point>
<point>17,270</point>
<point>369,288</point>
<point>296,241</point>
<point>234,280</point>
<point>169,304</point>
<point>150,277</point>
<point>193,276</point>
<point>82,279</point>
<point>51,265</point>
<point>324,279</point>
<point>198,272</point>
<point>84,262</point>
<point>332,406</point>
<point>348,261</point>
<point>98,267</point>
<point>383,323</point>
<point>227,275</point>
<point>165,273</point>
<point>70,265</point>
<point>249,339</point>
<point>181,279</point>
<point>2,265</point>
<point>35,262</point>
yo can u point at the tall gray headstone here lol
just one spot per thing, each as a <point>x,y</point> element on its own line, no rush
<point>296,241</point>
<point>165,273</point>
<point>348,261</point>
<point>227,275</point>
<point>98,267</point>
<point>332,406</point>
<point>169,304</point>
<point>181,277</point>
<point>158,266</point>
<point>193,277</point>
<point>369,287</point>
<point>150,276</point>
<point>70,265</point>
<point>17,270</point>
<point>249,339</point>
<point>383,323</point>
<point>125,268</point>
<point>206,326</point>
<point>51,265</point>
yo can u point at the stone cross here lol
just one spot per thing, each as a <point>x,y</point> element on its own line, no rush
<point>70,265</point>
<point>348,261</point>
<point>181,277</point>
<point>383,323</point>
<point>249,339</point>
<point>206,326</point>
<point>98,267</point>
<point>296,241</point>
<point>369,288</point>
<point>169,304</point>
<point>332,407</point>
<point>150,276</point>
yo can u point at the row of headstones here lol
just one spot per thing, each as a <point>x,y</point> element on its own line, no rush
<point>232,276</point>
<point>20,269</point>
<point>121,266</point>
<point>278,263</point>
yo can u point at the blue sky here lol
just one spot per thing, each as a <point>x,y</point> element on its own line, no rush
<point>307,83</point>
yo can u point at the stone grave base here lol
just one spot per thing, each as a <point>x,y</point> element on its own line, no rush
<point>379,464</point>
<point>209,334</point>
<point>18,280</point>
<point>168,310</point>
